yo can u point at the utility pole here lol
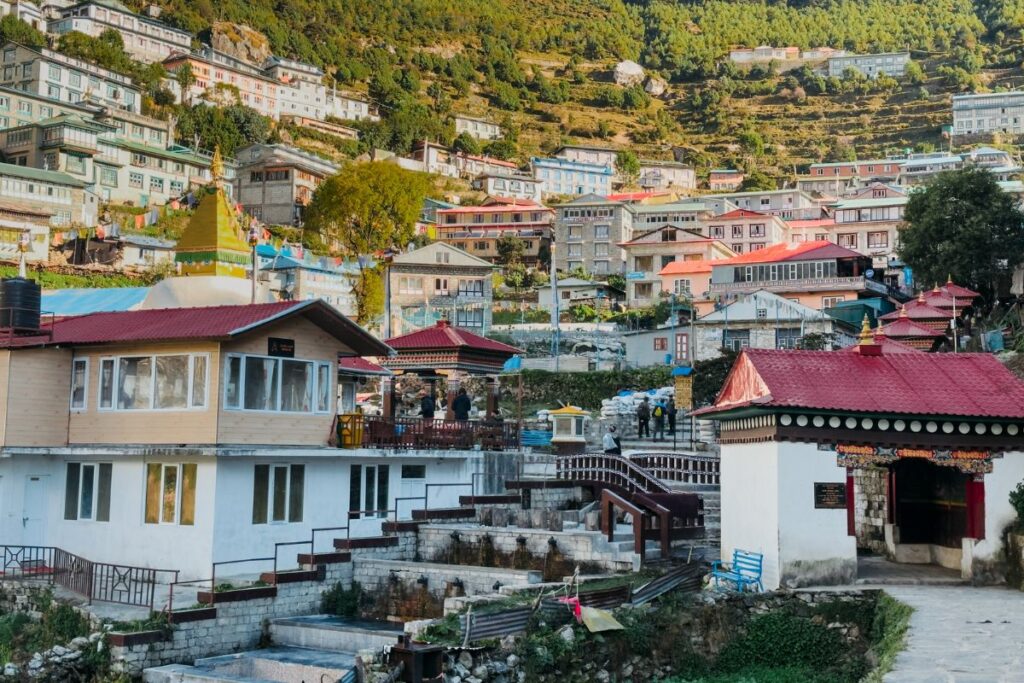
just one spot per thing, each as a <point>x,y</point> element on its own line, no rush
<point>254,239</point>
<point>555,342</point>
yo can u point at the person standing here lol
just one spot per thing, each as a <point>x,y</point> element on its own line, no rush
<point>643,419</point>
<point>671,413</point>
<point>659,421</point>
<point>461,405</point>
<point>427,406</point>
<point>611,443</point>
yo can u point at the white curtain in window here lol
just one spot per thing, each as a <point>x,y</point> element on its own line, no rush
<point>297,386</point>
<point>135,383</point>
<point>261,383</point>
<point>171,382</point>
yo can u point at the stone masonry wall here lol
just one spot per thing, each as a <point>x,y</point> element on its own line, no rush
<point>373,575</point>
<point>435,543</point>
<point>240,626</point>
<point>870,512</point>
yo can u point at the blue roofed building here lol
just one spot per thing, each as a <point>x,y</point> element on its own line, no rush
<point>68,302</point>
<point>293,276</point>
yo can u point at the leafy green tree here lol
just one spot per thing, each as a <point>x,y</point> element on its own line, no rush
<point>635,97</point>
<point>467,144</point>
<point>502,149</point>
<point>226,127</point>
<point>610,96</point>
<point>913,73</point>
<point>506,97</point>
<point>16,30</point>
<point>962,224</point>
<point>628,165</point>
<point>367,208</point>
<point>757,180</point>
<point>510,250</point>
<point>185,79</point>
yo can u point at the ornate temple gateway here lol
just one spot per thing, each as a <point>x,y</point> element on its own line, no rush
<point>811,439</point>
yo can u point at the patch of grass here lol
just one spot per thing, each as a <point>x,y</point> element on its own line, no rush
<point>761,674</point>
<point>341,601</point>
<point>889,634</point>
<point>156,621</point>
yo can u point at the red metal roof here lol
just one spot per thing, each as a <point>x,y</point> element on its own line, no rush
<point>956,290</point>
<point>354,365</point>
<point>915,310</point>
<point>966,384</point>
<point>496,208</point>
<point>812,223</point>
<point>444,336</point>
<point>181,324</point>
<point>888,346</point>
<point>792,251</point>
<point>741,213</point>
<point>905,327</point>
<point>686,267</point>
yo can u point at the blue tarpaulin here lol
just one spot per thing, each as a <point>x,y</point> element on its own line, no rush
<point>65,302</point>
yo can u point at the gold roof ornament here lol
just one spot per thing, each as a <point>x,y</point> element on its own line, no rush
<point>217,165</point>
<point>866,337</point>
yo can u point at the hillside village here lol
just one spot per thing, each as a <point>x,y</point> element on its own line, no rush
<point>552,359</point>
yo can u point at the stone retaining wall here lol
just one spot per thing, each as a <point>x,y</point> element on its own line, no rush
<point>577,546</point>
<point>374,575</point>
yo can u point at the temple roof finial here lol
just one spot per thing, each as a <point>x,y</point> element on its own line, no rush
<point>865,331</point>
<point>217,166</point>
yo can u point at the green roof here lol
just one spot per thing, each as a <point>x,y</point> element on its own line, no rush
<point>871,202</point>
<point>161,152</point>
<point>75,120</point>
<point>38,174</point>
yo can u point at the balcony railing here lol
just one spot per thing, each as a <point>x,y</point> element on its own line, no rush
<point>414,433</point>
<point>858,282</point>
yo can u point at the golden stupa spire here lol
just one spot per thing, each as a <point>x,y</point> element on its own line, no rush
<point>865,332</point>
<point>217,166</point>
<point>879,333</point>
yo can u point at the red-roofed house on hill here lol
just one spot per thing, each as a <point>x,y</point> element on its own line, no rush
<point>816,274</point>
<point>745,231</point>
<point>810,438</point>
<point>175,438</point>
<point>477,229</point>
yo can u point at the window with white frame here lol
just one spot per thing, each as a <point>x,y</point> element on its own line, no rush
<point>170,493</point>
<point>87,491</point>
<point>681,287</point>
<point>278,492</point>
<point>157,382</point>
<point>410,285</point>
<point>283,385</point>
<point>79,382</point>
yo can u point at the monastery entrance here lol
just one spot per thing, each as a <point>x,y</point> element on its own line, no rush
<point>916,505</point>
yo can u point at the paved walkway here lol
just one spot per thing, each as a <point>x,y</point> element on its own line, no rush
<point>960,634</point>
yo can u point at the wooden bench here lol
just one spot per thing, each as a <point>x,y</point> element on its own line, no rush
<point>744,570</point>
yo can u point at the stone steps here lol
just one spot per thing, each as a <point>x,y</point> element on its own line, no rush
<point>441,514</point>
<point>271,665</point>
<point>316,559</point>
<point>333,634</point>
<point>367,542</point>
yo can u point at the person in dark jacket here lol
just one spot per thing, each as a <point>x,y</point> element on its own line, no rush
<point>670,412</point>
<point>427,406</point>
<point>643,419</point>
<point>461,405</point>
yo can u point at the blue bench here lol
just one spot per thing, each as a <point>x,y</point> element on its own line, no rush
<point>745,570</point>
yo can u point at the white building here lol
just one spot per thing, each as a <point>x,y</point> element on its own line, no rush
<point>564,177</point>
<point>510,186</point>
<point>664,175</point>
<point>59,77</point>
<point>889,63</point>
<point>28,12</point>
<point>597,156</point>
<point>811,439</point>
<point>481,129</point>
<point>145,38</point>
<point>997,112</point>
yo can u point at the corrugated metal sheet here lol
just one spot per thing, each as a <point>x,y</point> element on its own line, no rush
<point>67,302</point>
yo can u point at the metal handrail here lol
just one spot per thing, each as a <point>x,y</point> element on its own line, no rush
<point>630,476</point>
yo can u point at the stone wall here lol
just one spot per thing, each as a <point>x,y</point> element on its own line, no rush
<point>374,575</point>
<point>238,626</point>
<point>576,546</point>
<point>870,508</point>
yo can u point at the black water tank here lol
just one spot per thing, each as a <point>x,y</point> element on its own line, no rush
<point>20,302</point>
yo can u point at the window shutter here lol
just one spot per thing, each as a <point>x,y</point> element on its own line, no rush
<point>188,494</point>
<point>355,490</point>
<point>71,490</point>
<point>103,501</point>
<point>153,485</point>
<point>295,497</point>
<point>260,487</point>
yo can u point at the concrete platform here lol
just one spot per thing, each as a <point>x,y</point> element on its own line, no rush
<point>333,634</point>
<point>873,570</point>
<point>272,665</point>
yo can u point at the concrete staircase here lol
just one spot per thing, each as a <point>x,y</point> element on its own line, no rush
<point>314,648</point>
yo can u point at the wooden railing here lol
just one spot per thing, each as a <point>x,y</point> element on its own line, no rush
<point>417,433</point>
<point>686,469</point>
<point>614,471</point>
<point>100,581</point>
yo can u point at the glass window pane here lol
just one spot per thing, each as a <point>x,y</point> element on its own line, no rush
<point>371,489</point>
<point>107,383</point>
<point>324,385</point>
<point>232,387</point>
<point>152,493</point>
<point>199,381</point>
<point>382,487</point>
<point>85,499</point>
<point>260,487</point>
<point>296,494</point>
<point>188,493</point>
<point>71,490</point>
<point>78,381</point>
<point>280,492</point>
<point>134,383</point>
<point>171,382</point>
<point>169,494</point>
<point>297,386</point>
<point>103,493</point>
<point>261,383</point>
<point>355,488</point>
